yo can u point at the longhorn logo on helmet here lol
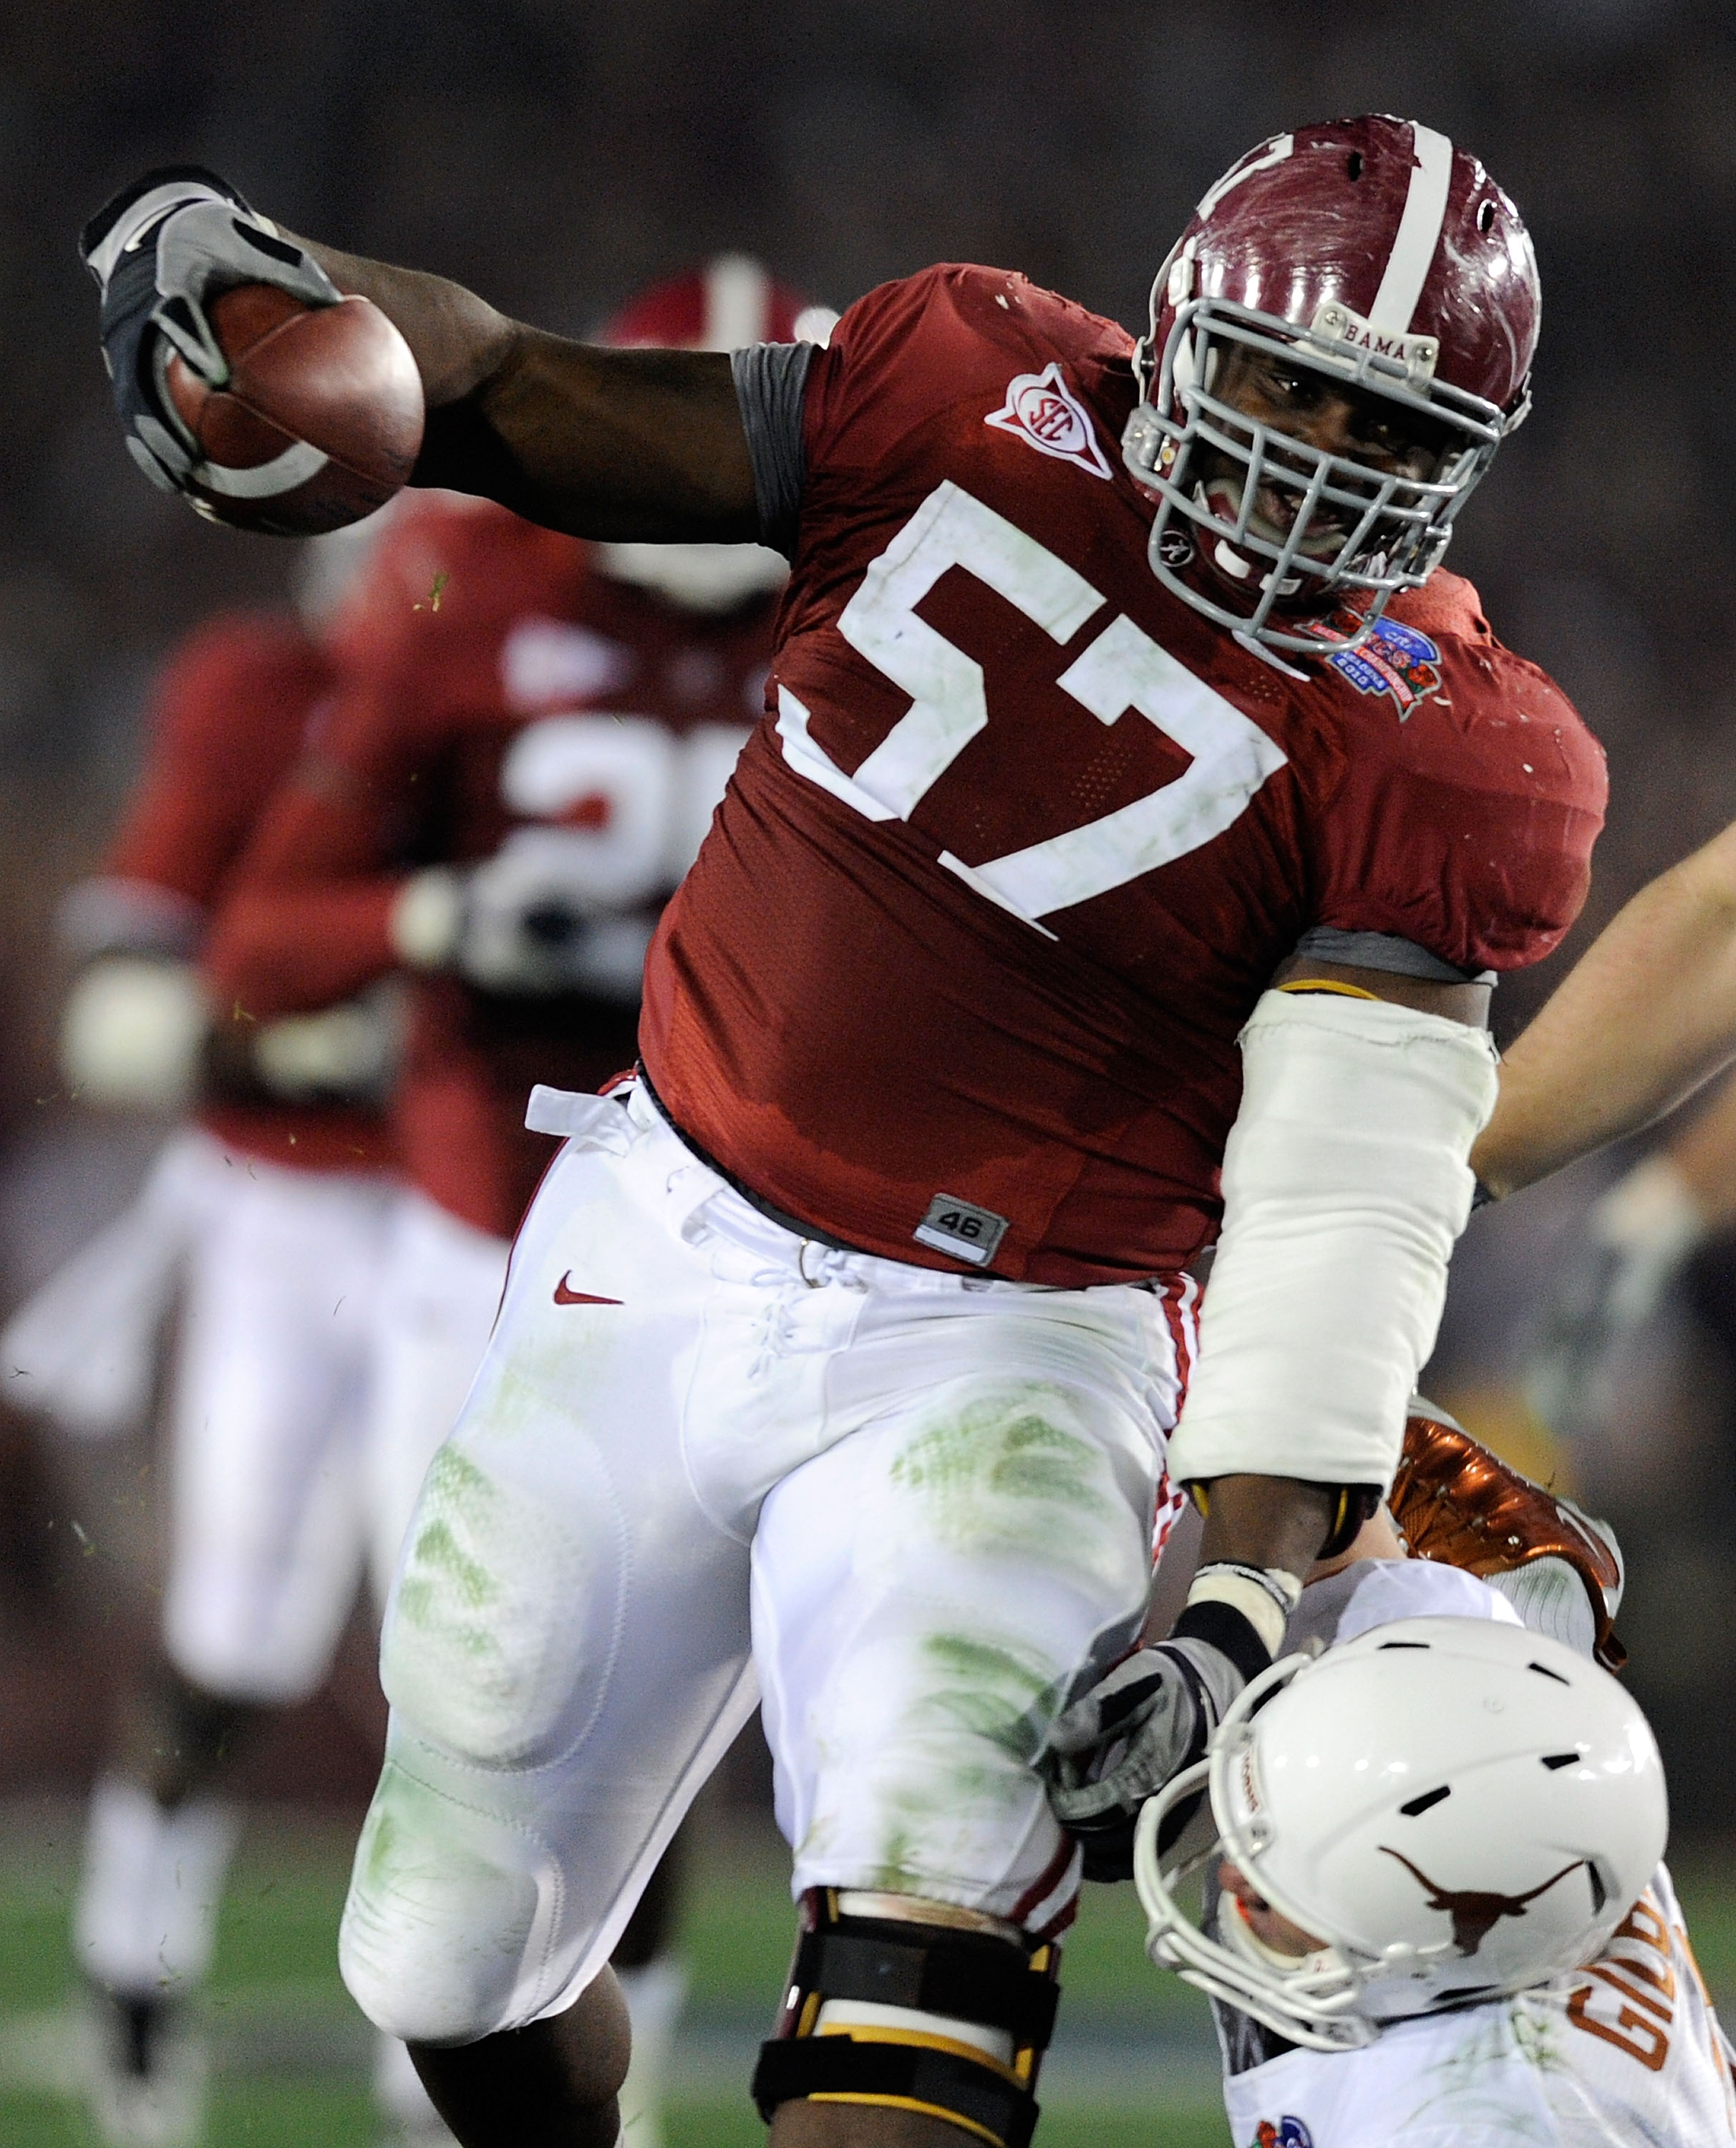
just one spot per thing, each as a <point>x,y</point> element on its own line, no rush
<point>1475,1915</point>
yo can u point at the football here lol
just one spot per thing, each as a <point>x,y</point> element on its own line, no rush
<point>319,423</point>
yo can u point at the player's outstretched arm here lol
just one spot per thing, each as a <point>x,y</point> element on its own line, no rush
<point>607,444</point>
<point>1646,1015</point>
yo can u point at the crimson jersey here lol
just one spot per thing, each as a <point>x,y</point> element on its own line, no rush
<point>229,716</point>
<point>1024,838</point>
<point>492,681</point>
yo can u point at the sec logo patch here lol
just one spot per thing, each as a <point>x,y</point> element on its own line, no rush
<point>1042,411</point>
<point>1288,2133</point>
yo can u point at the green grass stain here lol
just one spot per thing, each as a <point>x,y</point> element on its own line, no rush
<point>992,1692</point>
<point>989,1705</point>
<point>380,1840</point>
<point>453,1480</point>
<point>1004,1467</point>
<point>900,1872</point>
<point>441,1575</point>
<point>437,1547</point>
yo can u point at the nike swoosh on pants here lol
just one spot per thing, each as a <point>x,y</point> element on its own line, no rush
<point>563,1296</point>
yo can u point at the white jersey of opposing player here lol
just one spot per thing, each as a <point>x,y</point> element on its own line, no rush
<point>1624,2052</point>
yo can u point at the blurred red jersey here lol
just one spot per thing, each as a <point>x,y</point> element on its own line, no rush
<point>989,901</point>
<point>228,718</point>
<point>491,681</point>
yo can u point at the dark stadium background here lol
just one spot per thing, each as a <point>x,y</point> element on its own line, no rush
<point>555,154</point>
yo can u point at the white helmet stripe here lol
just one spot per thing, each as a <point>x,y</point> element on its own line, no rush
<point>1419,233</point>
<point>1282,146</point>
<point>738,303</point>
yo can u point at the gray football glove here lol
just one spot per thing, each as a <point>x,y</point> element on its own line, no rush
<point>1137,1729</point>
<point>158,249</point>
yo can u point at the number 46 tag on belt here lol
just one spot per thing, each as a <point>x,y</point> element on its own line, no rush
<point>961,1229</point>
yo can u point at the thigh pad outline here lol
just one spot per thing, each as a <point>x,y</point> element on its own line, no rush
<point>504,1620</point>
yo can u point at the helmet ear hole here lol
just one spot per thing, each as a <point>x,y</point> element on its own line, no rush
<point>1354,163</point>
<point>1486,216</point>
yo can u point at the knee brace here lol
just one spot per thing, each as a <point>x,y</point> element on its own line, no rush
<point>915,2004</point>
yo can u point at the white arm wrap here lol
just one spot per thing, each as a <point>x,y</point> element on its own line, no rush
<point>1345,1185</point>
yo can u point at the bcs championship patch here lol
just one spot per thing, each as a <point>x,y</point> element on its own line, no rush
<point>1288,2133</point>
<point>1396,660</point>
<point>1042,410</point>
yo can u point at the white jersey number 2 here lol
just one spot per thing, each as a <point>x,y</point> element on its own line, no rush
<point>629,800</point>
<point>1123,670</point>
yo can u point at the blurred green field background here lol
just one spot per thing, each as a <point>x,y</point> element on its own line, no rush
<point>1135,2062</point>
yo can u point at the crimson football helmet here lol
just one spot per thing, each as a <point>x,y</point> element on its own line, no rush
<point>730,302</point>
<point>1376,254</point>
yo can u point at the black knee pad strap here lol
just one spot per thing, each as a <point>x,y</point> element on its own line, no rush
<point>957,1974</point>
<point>975,2097</point>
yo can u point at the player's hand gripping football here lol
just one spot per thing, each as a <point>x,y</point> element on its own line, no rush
<point>1136,1729</point>
<point>246,381</point>
<point>160,251</point>
<point>1636,1241</point>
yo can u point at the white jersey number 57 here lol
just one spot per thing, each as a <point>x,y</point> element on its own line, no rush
<point>1123,670</point>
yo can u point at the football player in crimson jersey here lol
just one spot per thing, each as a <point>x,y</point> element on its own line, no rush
<point>545,727</point>
<point>265,1213</point>
<point>840,1351</point>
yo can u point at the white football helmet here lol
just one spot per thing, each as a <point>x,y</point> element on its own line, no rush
<point>1456,1808</point>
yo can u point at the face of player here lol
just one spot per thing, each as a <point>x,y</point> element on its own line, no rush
<point>1294,401</point>
<point>1268,1926</point>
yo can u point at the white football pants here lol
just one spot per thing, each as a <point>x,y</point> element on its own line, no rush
<point>704,1456</point>
<point>267,1425</point>
<point>330,1329</point>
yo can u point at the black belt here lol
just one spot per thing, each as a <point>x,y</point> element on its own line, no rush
<point>755,1201</point>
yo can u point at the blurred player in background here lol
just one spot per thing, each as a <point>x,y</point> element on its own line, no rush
<point>545,727</point>
<point>1627,1252</point>
<point>1643,1019</point>
<point>251,1258</point>
<point>1596,2031</point>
